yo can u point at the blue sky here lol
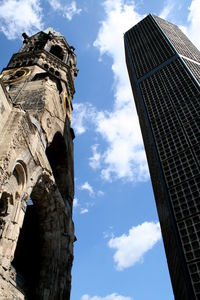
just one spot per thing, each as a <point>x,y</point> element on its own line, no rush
<point>119,252</point>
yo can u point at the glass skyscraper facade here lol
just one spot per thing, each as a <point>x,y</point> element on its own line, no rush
<point>164,70</point>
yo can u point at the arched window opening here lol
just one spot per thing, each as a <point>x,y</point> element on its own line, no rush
<point>18,179</point>
<point>37,254</point>
<point>26,254</point>
<point>27,259</point>
<point>14,188</point>
<point>57,156</point>
<point>57,51</point>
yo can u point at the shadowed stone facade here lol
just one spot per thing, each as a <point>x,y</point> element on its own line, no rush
<point>164,71</point>
<point>36,161</point>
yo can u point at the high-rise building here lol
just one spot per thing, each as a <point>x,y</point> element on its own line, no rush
<point>164,70</point>
<point>36,161</point>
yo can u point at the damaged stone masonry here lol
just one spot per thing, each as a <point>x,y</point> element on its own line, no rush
<point>36,169</point>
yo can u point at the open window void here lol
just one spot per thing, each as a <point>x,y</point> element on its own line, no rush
<point>57,51</point>
<point>57,156</point>
<point>27,258</point>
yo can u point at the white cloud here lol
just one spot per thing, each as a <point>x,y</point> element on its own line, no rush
<point>67,10</point>
<point>84,211</point>
<point>75,203</point>
<point>130,248</point>
<point>19,16</point>
<point>108,297</point>
<point>72,10</point>
<point>192,28</point>
<point>79,118</point>
<point>100,193</point>
<point>83,115</point>
<point>194,22</point>
<point>184,29</point>
<point>86,186</point>
<point>124,157</point>
<point>55,4</point>
<point>94,160</point>
<point>167,9</point>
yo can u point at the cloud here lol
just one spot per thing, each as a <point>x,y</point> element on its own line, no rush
<point>86,186</point>
<point>55,4</point>
<point>167,9</point>
<point>100,193</point>
<point>75,203</point>
<point>84,211</point>
<point>72,10</point>
<point>67,10</point>
<point>95,159</point>
<point>124,157</point>
<point>109,297</point>
<point>192,28</point>
<point>83,115</point>
<point>194,22</point>
<point>19,16</point>
<point>79,118</point>
<point>130,248</point>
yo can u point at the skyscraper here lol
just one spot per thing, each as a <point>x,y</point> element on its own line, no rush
<point>164,70</point>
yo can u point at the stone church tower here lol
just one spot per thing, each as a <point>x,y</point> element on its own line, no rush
<point>36,168</point>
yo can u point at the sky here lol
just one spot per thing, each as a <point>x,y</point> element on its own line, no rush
<point>119,252</point>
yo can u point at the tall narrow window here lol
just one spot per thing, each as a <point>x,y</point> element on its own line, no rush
<point>57,156</point>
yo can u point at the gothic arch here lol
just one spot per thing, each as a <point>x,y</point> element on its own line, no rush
<point>57,156</point>
<point>45,237</point>
<point>13,189</point>
<point>20,175</point>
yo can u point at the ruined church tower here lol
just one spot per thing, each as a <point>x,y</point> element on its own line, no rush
<point>36,169</point>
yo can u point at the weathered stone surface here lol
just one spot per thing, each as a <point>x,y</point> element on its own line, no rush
<point>36,161</point>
